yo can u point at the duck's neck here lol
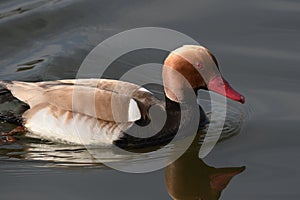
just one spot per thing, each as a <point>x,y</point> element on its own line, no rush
<point>173,110</point>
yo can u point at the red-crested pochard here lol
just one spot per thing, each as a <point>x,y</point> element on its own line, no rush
<point>101,111</point>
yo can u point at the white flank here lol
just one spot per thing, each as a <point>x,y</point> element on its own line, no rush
<point>80,129</point>
<point>133,111</point>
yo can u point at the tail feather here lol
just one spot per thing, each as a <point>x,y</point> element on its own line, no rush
<point>29,93</point>
<point>4,84</point>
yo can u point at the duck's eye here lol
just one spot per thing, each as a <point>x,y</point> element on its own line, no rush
<point>199,66</point>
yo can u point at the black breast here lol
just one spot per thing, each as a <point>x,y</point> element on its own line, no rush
<point>165,135</point>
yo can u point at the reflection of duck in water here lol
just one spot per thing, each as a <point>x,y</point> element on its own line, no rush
<point>62,110</point>
<point>189,178</point>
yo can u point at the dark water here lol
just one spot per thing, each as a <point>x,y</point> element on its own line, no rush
<point>256,43</point>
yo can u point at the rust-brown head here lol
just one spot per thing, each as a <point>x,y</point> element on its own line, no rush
<point>196,67</point>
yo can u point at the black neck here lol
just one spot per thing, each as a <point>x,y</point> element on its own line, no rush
<point>174,113</point>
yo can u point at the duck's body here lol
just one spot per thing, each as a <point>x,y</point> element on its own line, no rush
<point>63,110</point>
<point>102,111</point>
<point>53,120</point>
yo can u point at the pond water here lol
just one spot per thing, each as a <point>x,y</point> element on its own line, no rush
<point>255,43</point>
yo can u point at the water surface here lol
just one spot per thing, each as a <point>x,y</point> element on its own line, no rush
<point>256,45</point>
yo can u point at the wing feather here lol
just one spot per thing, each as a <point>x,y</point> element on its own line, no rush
<point>109,100</point>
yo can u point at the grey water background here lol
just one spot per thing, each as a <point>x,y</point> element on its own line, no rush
<point>255,42</point>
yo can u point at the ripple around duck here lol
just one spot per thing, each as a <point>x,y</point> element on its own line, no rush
<point>43,153</point>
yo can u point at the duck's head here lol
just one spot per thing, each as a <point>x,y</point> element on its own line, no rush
<point>197,67</point>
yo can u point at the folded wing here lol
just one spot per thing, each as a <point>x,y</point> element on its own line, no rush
<point>109,100</point>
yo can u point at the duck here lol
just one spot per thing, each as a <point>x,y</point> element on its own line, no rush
<point>105,111</point>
